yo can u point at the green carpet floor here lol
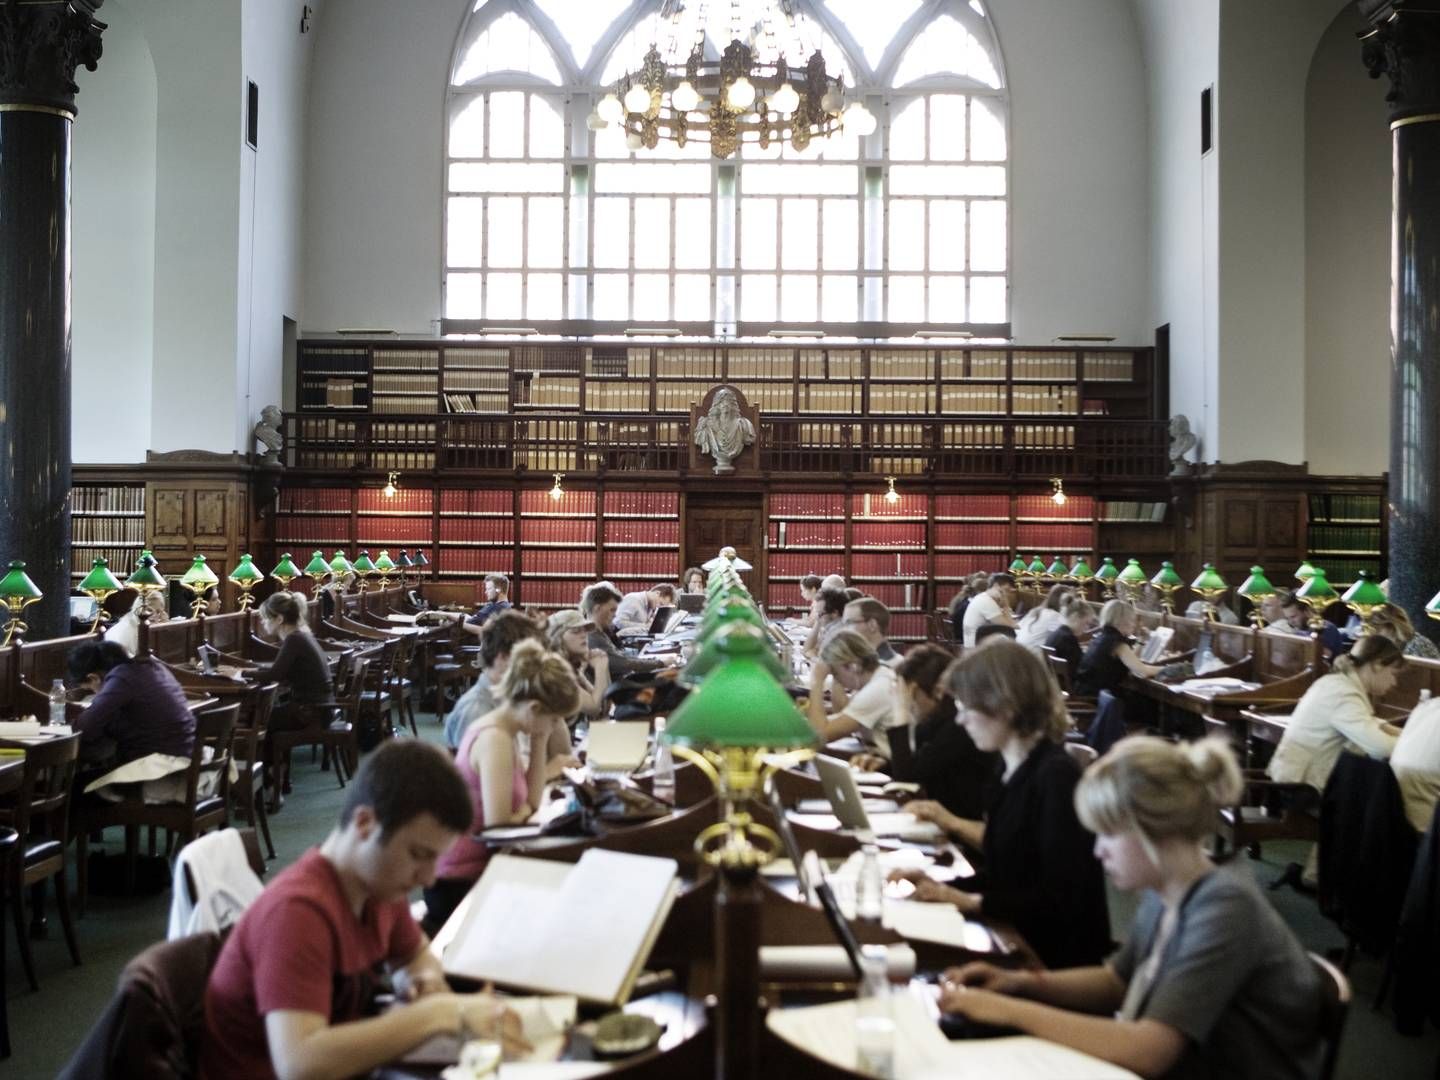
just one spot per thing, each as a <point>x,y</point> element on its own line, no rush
<point>46,1025</point>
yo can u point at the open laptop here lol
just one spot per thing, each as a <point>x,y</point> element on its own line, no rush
<point>617,748</point>
<point>694,603</point>
<point>849,807</point>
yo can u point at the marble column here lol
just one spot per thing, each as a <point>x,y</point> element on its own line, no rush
<point>42,42</point>
<point>1402,44</point>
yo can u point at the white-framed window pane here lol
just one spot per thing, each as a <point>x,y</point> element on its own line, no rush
<point>907,298</point>
<point>798,298</point>
<point>907,234</point>
<point>842,146</point>
<point>838,298</point>
<point>505,217</point>
<point>609,142</point>
<point>842,234</point>
<point>462,296</point>
<point>543,296</point>
<point>757,298</point>
<point>612,232</point>
<point>987,132</point>
<point>652,234</point>
<point>545,221</point>
<point>505,176</point>
<point>947,180</point>
<point>647,178</point>
<point>947,299</point>
<point>467,129</point>
<point>577,303</point>
<point>987,299</point>
<point>946,48</point>
<point>947,127</point>
<point>757,235</point>
<point>987,235</point>
<point>465,231</point>
<point>692,297</point>
<point>764,178</point>
<point>907,131</point>
<point>612,297</point>
<point>947,234</point>
<point>507,124</point>
<point>800,221</point>
<point>692,235</point>
<point>652,296</point>
<point>873,23</point>
<point>502,296</point>
<point>508,44</point>
<point>582,24</point>
<point>547,129</point>
<point>872,306</point>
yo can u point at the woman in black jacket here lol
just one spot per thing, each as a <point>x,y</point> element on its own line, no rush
<point>300,664</point>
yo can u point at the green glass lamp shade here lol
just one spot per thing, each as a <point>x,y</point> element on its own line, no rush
<point>1057,569</point>
<point>363,565</point>
<point>285,570</point>
<point>1305,571</point>
<point>100,580</point>
<point>341,565</point>
<point>1364,594</point>
<point>734,611</point>
<point>245,570</point>
<point>1257,586</point>
<point>739,705</point>
<point>1433,607</point>
<point>1317,590</point>
<point>1037,567</point>
<point>1166,577</point>
<point>1081,570</point>
<point>199,577</point>
<point>734,592</point>
<point>732,640</point>
<point>384,563</point>
<point>17,586</point>
<point>1209,580</point>
<point>1108,570</point>
<point>1019,566</point>
<point>147,576</point>
<point>405,561</point>
<point>420,559</point>
<point>317,567</point>
<point>1132,574</point>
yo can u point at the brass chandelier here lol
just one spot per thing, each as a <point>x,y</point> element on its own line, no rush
<point>750,94</point>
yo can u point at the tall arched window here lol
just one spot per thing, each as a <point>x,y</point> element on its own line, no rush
<point>551,224</point>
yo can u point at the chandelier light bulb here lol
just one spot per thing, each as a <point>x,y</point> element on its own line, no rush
<point>595,122</point>
<point>633,140</point>
<point>610,110</point>
<point>859,120</point>
<point>740,94</point>
<point>785,100</point>
<point>832,102</point>
<point>684,97</point>
<point>637,99</point>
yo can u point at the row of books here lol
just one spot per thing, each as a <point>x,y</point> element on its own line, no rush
<point>333,393</point>
<point>120,559</point>
<point>398,531</point>
<point>401,460</point>
<point>678,396</point>
<point>649,503</point>
<point>621,531</point>
<point>476,502</point>
<point>580,564</point>
<point>485,359</point>
<point>1043,437</point>
<point>333,360</point>
<point>477,561</point>
<point>1109,366</point>
<point>785,534</point>
<point>906,626</point>
<point>689,362</point>
<point>618,396</point>
<point>972,364</point>
<point>404,405</point>
<point>1044,506</point>
<point>632,363</point>
<point>962,564</point>
<point>800,564</point>
<point>898,596</point>
<point>1040,365</point>
<point>547,459</point>
<point>1053,398</point>
<point>498,402</point>
<point>877,505</point>
<point>548,391</point>
<point>1350,538</point>
<point>745,362</point>
<point>900,435</point>
<point>405,500</point>
<point>911,398</point>
<point>106,499</point>
<point>402,433</point>
<point>972,535</point>
<point>1345,505</point>
<point>888,534</point>
<point>1132,511</point>
<point>769,397</point>
<point>477,530</point>
<point>555,359</point>
<point>973,399</point>
<point>315,500</point>
<point>655,566</point>
<point>107,530</point>
<point>551,593</point>
<point>832,364</point>
<point>538,530</point>
<point>832,397</point>
<point>973,506</point>
<point>901,364</point>
<point>817,504</point>
<point>898,466</point>
<point>385,359</point>
<point>1058,537</point>
<point>421,384</point>
<point>535,501</point>
<point>1346,571</point>
<point>888,564</point>
<point>305,530</point>
<point>972,437</point>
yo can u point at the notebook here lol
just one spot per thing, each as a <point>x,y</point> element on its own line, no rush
<point>617,746</point>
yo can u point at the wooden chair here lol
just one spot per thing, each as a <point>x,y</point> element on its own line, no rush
<point>331,727</point>
<point>399,685</point>
<point>375,699</point>
<point>40,817</point>
<point>1253,821</point>
<point>450,668</point>
<point>194,814</point>
<point>250,759</point>
<point>1334,1008</point>
<point>9,849</point>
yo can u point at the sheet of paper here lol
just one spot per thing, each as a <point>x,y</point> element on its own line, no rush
<point>546,1022</point>
<point>1018,1058</point>
<point>503,932</point>
<point>938,923</point>
<point>828,1032</point>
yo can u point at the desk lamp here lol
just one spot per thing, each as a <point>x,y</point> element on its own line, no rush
<point>1081,573</point>
<point>245,577</point>
<point>403,564</point>
<point>1132,578</point>
<point>1256,588</point>
<point>1432,609</point>
<point>100,584</point>
<point>1106,575</point>
<point>1363,598</point>
<point>317,569</point>
<point>1317,594</point>
<point>421,562</point>
<point>1166,581</point>
<point>363,568</point>
<point>17,592</point>
<point>720,647</point>
<point>199,579</point>
<point>340,565</point>
<point>1057,571</point>
<point>1305,571</point>
<point>285,571</point>
<point>1211,587</point>
<point>145,580</point>
<point>1037,570</point>
<point>384,566</point>
<point>718,615</point>
<point>1019,568</point>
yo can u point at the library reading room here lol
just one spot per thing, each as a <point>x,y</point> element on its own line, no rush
<point>726,539</point>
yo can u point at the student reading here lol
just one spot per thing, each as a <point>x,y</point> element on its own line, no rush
<point>1211,982</point>
<point>290,993</point>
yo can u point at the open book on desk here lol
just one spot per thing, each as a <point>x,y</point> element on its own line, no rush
<point>585,928</point>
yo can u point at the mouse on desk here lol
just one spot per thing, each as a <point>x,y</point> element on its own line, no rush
<point>955,1026</point>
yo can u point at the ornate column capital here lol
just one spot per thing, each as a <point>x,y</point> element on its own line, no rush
<point>1403,44</point>
<point>42,42</point>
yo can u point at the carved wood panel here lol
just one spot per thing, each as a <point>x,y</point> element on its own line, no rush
<point>169,514</point>
<point>1240,520</point>
<point>737,523</point>
<point>210,514</point>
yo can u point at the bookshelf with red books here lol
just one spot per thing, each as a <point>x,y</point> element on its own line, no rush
<point>641,539</point>
<point>889,557</point>
<point>806,535</point>
<point>308,518</point>
<point>1053,529</point>
<point>558,547</point>
<point>476,533</point>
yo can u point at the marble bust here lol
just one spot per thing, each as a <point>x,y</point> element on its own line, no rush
<point>723,433</point>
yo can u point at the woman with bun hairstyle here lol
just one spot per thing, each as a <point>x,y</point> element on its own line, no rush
<point>537,692</point>
<point>1211,982</point>
<point>1077,617</point>
<point>1039,871</point>
<point>300,664</point>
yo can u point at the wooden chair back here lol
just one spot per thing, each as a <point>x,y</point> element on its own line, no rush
<point>1334,1008</point>
<point>43,802</point>
<point>1060,668</point>
<point>214,728</point>
<point>350,699</point>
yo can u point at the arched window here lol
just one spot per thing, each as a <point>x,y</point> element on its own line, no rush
<point>552,224</point>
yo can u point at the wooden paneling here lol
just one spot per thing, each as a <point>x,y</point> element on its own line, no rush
<point>716,521</point>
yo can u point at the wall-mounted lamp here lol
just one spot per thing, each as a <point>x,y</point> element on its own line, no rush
<point>891,496</point>
<point>557,492</point>
<point>1057,496</point>
<point>391,485</point>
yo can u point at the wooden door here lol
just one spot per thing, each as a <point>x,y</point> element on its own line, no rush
<point>738,521</point>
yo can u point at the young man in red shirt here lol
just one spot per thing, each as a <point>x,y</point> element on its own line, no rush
<point>291,990</point>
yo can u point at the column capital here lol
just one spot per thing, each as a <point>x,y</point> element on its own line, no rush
<point>42,42</point>
<point>1402,43</point>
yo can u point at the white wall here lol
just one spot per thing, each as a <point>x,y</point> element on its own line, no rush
<point>1347,261</point>
<point>113,249</point>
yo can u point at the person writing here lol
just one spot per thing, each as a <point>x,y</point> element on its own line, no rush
<point>535,695</point>
<point>289,995</point>
<point>1210,982</point>
<point>139,707</point>
<point>1111,655</point>
<point>853,664</point>
<point>1039,871</point>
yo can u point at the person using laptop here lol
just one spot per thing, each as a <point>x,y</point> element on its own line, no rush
<point>1040,872</point>
<point>637,609</point>
<point>849,659</point>
<point>497,599</point>
<point>809,592</point>
<point>870,619</point>
<point>598,604</point>
<point>995,605</point>
<point>536,693</point>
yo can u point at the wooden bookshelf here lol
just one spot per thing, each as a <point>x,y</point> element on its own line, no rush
<point>106,521</point>
<point>640,542</point>
<point>1345,533</point>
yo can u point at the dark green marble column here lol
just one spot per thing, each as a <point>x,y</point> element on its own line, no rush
<point>1403,45</point>
<point>42,42</point>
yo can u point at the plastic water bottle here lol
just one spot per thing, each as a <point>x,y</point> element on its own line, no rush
<point>870,888</point>
<point>1424,696</point>
<point>874,1018</point>
<point>57,703</point>
<point>663,782</point>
